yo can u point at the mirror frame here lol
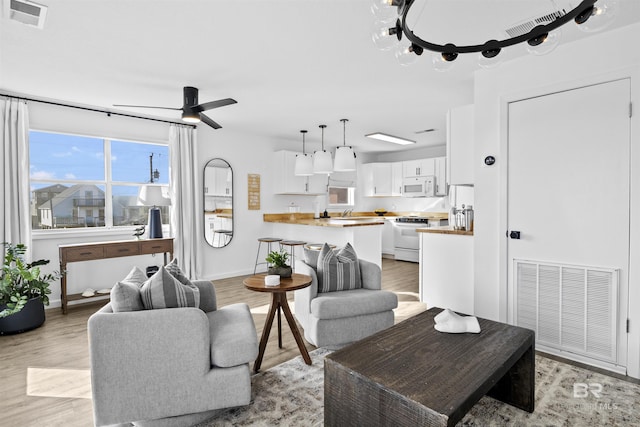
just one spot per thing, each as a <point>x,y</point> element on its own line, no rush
<point>211,164</point>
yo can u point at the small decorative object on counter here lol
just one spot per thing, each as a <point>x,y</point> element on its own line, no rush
<point>277,261</point>
<point>272,280</point>
<point>468,218</point>
<point>380,212</point>
<point>459,218</point>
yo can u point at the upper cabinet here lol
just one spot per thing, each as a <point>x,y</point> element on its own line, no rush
<point>217,181</point>
<point>440,172</point>
<point>288,183</point>
<point>460,129</point>
<point>382,179</point>
<point>420,167</point>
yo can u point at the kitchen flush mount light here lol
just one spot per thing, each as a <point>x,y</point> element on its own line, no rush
<point>304,162</point>
<point>589,15</point>
<point>390,138</point>
<point>322,162</point>
<point>345,160</point>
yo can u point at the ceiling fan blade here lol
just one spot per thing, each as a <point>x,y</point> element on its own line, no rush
<point>146,106</point>
<point>214,104</point>
<point>210,122</point>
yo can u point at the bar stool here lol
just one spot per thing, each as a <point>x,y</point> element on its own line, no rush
<point>292,250</point>
<point>268,241</point>
<point>226,234</point>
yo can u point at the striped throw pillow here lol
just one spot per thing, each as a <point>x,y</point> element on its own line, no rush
<point>162,290</point>
<point>338,271</point>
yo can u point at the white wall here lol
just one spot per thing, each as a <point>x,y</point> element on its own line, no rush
<point>590,60</point>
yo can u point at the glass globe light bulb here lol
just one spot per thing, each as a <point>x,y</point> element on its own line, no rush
<point>603,14</point>
<point>381,34</point>
<point>439,63</point>
<point>405,55</point>
<point>547,45</point>
<point>383,9</point>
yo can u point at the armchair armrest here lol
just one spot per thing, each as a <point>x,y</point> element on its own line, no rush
<point>208,301</point>
<point>371,275</point>
<point>303,297</point>
<point>142,360</point>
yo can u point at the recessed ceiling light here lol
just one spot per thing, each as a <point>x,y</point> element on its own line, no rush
<point>390,138</point>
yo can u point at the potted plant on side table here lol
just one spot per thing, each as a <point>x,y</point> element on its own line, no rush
<point>278,263</point>
<point>24,291</point>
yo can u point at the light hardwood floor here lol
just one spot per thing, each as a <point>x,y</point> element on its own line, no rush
<point>61,343</point>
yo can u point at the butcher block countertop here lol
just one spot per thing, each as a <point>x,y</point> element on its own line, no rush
<point>307,219</point>
<point>444,230</point>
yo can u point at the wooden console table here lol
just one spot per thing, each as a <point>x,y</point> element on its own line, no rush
<point>103,250</point>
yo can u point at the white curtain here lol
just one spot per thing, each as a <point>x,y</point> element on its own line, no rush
<point>186,215</point>
<point>15,216</point>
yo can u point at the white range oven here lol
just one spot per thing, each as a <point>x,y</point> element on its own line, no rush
<point>406,240</point>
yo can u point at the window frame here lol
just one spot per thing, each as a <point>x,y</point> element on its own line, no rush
<point>107,183</point>
<point>350,195</point>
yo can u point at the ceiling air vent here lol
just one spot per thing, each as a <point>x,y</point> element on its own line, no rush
<point>525,26</point>
<point>27,12</point>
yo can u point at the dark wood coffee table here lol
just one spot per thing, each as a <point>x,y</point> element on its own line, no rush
<point>279,302</point>
<point>413,375</point>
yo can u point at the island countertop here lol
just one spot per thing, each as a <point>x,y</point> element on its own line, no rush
<point>444,230</point>
<point>307,219</point>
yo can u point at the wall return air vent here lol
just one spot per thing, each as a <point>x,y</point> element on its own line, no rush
<point>27,12</point>
<point>525,26</point>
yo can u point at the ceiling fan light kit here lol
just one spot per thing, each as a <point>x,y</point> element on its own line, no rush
<point>192,112</point>
<point>589,15</point>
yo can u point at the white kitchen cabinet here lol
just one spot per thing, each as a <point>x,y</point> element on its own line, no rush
<point>287,182</point>
<point>440,173</point>
<point>396,179</point>
<point>387,237</point>
<point>419,167</point>
<point>460,129</point>
<point>222,184</point>
<point>209,184</point>
<point>377,179</point>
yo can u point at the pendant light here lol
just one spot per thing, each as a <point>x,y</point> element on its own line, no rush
<point>304,161</point>
<point>345,157</point>
<point>322,162</point>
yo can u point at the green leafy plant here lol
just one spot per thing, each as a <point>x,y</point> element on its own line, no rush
<point>20,281</point>
<point>277,258</point>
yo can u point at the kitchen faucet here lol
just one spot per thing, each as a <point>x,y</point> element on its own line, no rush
<point>347,212</point>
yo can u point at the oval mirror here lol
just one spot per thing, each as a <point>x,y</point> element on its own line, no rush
<point>218,203</point>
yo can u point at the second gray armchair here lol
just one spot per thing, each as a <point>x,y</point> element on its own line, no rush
<point>335,319</point>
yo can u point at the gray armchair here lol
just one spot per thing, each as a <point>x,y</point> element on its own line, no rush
<point>152,364</point>
<point>335,319</point>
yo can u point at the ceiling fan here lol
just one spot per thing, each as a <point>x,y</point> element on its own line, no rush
<point>192,112</point>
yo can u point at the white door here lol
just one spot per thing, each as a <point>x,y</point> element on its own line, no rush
<point>568,197</point>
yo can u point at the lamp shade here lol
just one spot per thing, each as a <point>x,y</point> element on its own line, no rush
<point>304,165</point>
<point>345,160</point>
<point>151,195</point>
<point>322,162</point>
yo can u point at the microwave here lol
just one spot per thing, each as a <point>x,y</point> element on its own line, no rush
<point>419,186</point>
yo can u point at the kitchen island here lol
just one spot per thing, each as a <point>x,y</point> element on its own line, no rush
<point>446,268</point>
<point>364,233</point>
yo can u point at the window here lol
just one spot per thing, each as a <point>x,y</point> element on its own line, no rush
<point>341,196</point>
<point>79,181</point>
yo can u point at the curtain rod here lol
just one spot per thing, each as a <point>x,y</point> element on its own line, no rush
<point>95,110</point>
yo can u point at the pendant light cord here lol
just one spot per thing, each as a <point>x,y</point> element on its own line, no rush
<point>344,131</point>
<point>322,129</point>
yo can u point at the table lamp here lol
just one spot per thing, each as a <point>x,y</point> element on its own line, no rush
<point>151,195</point>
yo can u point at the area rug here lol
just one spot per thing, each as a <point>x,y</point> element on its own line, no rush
<point>291,394</point>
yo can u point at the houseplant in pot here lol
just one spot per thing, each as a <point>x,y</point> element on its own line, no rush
<point>24,291</point>
<point>278,263</point>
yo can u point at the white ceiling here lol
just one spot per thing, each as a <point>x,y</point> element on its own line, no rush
<point>290,64</point>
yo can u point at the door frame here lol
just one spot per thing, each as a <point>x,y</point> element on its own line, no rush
<point>633,306</point>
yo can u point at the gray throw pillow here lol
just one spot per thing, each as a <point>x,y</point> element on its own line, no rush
<point>338,271</point>
<point>162,290</point>
<point>125,294</point>
<point>174,269</point>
